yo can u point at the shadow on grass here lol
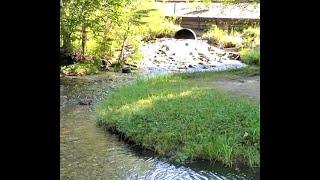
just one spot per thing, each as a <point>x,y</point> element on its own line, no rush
<point>181,122</point>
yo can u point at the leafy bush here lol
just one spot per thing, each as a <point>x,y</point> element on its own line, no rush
<point>89,28</point>
<point>251,37</point>
<point>222,38</point>
<point>135,57</point>
<point>158,27</point>
<point>250,56</point>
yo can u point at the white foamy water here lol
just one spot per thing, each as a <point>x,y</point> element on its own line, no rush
<point>169,55</point>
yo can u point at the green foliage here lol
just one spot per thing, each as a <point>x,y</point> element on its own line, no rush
<point>135,57</point>
<point>158,28</point>
<point>222,38</point>
<point>80,68</point>
<point>250,56</point>
<point>247,41</point>
<point>103,28</point>
<point>251,37</point>
<point>248,38</point>
<point>161,114</point>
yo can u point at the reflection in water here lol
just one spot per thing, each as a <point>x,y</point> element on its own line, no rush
<point>93,153</point>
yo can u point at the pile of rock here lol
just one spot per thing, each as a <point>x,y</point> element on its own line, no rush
<point>186,55</point>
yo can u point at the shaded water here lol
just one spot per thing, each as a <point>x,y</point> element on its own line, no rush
<point>89,152</point>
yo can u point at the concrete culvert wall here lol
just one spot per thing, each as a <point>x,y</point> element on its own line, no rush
<point>185,34</point>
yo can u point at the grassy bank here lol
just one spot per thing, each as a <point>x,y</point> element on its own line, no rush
<point>181,117</point>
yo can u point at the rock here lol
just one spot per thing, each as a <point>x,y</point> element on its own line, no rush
<point>223,54</point>
<point>182,67</point>
<point>188,57</point>
<point>85,101</point>
<point>105,64</point>
<point>233,56</point>
<point>126,70</point>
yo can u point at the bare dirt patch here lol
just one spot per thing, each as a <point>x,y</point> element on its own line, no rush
<point>249,86</point>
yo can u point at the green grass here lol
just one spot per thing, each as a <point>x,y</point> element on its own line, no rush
<point>182,119</point>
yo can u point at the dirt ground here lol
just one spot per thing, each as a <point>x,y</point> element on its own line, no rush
<point>243,86</point>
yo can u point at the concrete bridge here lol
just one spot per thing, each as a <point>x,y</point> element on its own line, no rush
<point>198,16</point>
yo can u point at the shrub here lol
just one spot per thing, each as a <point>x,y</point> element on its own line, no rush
<point>222,38</point>
<point>250,56</point>
<point>251,37</point>
<point>159,28</point>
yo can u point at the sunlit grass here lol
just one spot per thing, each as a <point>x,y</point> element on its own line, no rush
<point>183,120</point>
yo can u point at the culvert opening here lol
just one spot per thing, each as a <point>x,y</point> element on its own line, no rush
<point>185,34</point>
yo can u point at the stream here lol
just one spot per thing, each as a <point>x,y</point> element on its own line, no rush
<point>90,152</point>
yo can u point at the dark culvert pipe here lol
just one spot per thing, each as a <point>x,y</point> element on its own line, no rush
<point>185,34</point>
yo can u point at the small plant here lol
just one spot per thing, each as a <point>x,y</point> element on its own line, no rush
<point>158,29</point>
<point>250,56</point>
<point>222,38</point>
<point>251,37</point>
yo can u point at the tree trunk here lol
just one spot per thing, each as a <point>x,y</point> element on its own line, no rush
<point>83,39</point>
<point>108,26</point>
<point>120,59</point>
<point>65,33</point>
<point>66,39</point>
